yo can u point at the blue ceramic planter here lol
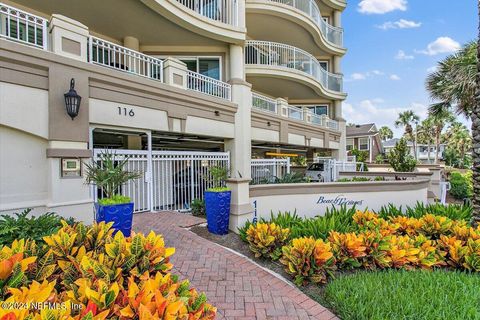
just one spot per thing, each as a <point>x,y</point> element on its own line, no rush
<point>217,207</point>
<point>120,214</point>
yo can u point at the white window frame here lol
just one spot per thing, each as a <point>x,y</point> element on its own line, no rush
<point>360,144</point>
<point>350,143</point>
<point>197,58</point>
<point>327,62</point>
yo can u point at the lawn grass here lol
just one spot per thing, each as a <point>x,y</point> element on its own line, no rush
<point>399,295</point>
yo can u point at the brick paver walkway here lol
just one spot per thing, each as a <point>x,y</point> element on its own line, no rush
<point>239,288</point>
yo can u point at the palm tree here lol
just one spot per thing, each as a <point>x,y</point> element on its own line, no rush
<point>475,116</point>
<point>426,134</point>
<point>406,119</point>
<point>385,133</point>
<point>456,85</point>
<point>439,120</point>
<point>458,138</point>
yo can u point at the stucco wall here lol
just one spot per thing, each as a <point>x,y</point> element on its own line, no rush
<point>312,199</point>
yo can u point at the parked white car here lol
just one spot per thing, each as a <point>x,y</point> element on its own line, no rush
<point>316,171</point>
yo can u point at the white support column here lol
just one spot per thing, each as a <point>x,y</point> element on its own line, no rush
<point>240,146</point>
<point>150,171</point>
<point>341,153</point>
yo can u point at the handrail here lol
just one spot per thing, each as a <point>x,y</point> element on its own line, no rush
<point>286,56</point>
<point>114,56</point>
<point>21,26</point>
<point>207,85</point>
<point>225,11</point>
<point>332,34</point>
<point>264,103</point>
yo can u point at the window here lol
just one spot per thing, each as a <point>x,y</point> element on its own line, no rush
<point>323,64</point>
<point>349,144</point>
<point>319,110</point>
<point>208,66</point>
<point>363,144</point>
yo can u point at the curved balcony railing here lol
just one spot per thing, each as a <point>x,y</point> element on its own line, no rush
<point>286,56</point>
<point>225,11</point>
<point>332,34</point>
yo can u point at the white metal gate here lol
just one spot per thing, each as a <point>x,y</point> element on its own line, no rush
<point>332,167</point>
<point>266,170</point>
<point>171,180</point>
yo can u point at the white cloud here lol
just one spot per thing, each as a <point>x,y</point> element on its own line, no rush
<point>381,6</point>
<point>358,76</point>
<point>374,110</point>
<point>400,24</point>
<point>362,76</point>
<point>401,55</point>
<point>441,45</point>
<point>394,77</point>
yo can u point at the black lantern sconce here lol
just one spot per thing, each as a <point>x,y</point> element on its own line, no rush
<point>72,100</point>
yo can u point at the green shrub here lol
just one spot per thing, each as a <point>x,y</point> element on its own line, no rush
<point>452,211</point>
<point>400,159</point>
<point>20,226</point>
<point>115,199</point>
<point>344,180</point>
<point>242,231</point>
<point>461,185</point>
<point>218,176</point>
<point>198,207</point>
<point>422,295</point>
<point>295,177</point>
<point>379,159</point>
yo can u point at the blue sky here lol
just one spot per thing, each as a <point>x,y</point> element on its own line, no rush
<point>392,46</point>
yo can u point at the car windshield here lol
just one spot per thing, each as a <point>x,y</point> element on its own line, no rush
<point>316,167</point>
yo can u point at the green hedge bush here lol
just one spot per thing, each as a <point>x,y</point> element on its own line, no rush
<point>461,185</point>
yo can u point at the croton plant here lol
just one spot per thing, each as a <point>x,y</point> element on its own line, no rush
<point>86,272</point>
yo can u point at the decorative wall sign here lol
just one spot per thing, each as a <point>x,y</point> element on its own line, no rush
<point>339,200</point>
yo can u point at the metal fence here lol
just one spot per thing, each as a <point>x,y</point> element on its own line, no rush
<point>268,170</point>
<point>332,34</point>
<point>21,26</point>
<point>207,85</point>
<point>264,103</point>
<point>332,167</point>
<point>111,55</point>
<point>283,55</point>
<point>225,11</point>
<point>170,180</point>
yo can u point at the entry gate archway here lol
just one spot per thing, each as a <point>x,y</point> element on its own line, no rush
<point>170,180</point>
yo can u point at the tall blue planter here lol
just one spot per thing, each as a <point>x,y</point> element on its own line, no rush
<point>120,214</point>
<point>217,207</point>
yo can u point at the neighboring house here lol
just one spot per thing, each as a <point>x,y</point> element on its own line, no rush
<point>364,137</point>
<point>175,86</point>
<point>422,150</point>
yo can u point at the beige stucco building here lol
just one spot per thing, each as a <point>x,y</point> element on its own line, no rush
<point>237,76</point>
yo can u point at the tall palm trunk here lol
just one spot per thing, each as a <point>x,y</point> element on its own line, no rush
<point>476,138</point>
<point>437,141</point>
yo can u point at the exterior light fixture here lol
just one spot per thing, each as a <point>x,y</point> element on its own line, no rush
<point>217,113</point>
<point>72,100</point>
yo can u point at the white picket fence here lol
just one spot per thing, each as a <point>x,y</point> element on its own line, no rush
<point>267,170</point>
<point>170,180</point>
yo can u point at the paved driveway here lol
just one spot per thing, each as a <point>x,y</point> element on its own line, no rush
<point>239,288</point>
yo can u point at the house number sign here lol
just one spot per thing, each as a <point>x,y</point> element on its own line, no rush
<point>122,111</point>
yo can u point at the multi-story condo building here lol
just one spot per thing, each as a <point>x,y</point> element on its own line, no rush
<point>182,78</point>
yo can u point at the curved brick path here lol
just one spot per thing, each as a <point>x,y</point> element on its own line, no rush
<point>239,288</point>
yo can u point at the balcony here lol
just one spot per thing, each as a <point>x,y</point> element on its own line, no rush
<point>277,60</point>
<point>280,107</point>
<point>224,11</point>
<point>333,35</point>
<point>20,26</point>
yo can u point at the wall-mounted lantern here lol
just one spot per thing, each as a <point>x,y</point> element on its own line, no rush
<point>72,100</point>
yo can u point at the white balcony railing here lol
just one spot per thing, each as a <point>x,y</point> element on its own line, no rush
<point>21,26</point>
<point>213,87</point>
<point>286,56</point>
<point>264,103</point>
<point>295,113</point>
<point>225,11</point>
<point>332,34</point>
<point>111,55</point>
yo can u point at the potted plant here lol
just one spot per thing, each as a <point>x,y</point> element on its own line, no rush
<point>109,175</point>
<point>217,202</point>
